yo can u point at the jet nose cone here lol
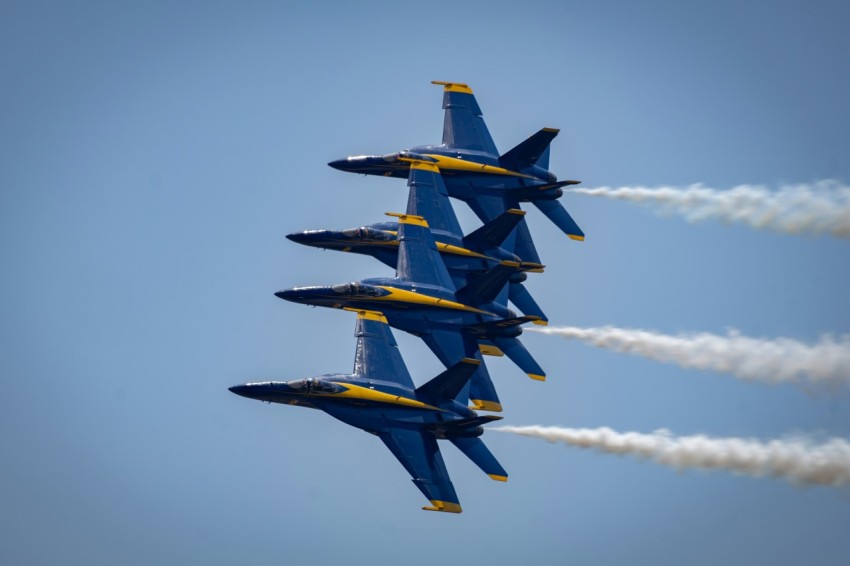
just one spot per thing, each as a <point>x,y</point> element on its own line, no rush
<point>287,294</point>
<point>297,237</point>
<point>317,238</point>
<point>241,390</point>
<point>306,295</point>
<point>340,164</point>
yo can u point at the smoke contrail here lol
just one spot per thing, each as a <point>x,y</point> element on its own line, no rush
<point>820,207</point>
<point>826,362</point>
<point>796,460</point>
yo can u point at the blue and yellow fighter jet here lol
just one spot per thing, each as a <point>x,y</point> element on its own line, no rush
<point>422,300</point>
<point>475,172</point>
<point>380,398</point>
<point>466,257</point>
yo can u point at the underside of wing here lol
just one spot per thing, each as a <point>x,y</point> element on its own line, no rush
<point>419,454</point>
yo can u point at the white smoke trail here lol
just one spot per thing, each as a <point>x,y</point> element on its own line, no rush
<point>820,207</point>
<point>826,362</point>
<point>796,460</point>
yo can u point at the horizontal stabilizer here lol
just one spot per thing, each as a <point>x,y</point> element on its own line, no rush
<point>528,152</point>
<point>523,300</point>
<point>472,422</point>
<point>555,211</point>
<point>486,287</point>
<point>449,384</point>
<point>514,349</point>
<point>556,185</point>
<point>494,232</point>
<point>475,450</point>
<point>505,326</point>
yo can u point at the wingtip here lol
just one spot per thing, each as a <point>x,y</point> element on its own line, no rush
<point>498,477</point>
<point>576,237</point>
<point>408,219</point>
<point>453,87</point>
<point>537,377</point>
<point>490,350</point>
<point>443,506</point>
<point>482,405</point>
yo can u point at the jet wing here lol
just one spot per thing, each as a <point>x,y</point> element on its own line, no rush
<point>377,356</point>
<point>419,454</point>
<point>418,258</point>
<point>429,198</point>
<point>463,124</point>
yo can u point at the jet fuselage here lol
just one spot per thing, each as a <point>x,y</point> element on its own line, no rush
<point>408,306</point>
<point>370,405</point>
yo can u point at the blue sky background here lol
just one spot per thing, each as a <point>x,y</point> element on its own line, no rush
<point>153,155</point>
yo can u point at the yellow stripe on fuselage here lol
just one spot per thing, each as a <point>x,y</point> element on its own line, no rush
<point>446,163</point>
<point>404,296</point>
<point>357,392</point>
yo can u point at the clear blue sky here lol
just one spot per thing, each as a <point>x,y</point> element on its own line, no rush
<point>153,156</point>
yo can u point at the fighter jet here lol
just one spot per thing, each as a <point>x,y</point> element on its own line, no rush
<point>477,174</point>
<point>422,300</point>
<point>466,258</point>
<point>380,398</point>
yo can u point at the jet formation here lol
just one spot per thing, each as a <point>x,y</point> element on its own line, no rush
<point>450,289</point>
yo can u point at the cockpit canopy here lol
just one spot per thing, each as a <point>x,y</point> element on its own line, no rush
<point>357,289</point>
<point>315,385</point>
<point>367,234</point>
